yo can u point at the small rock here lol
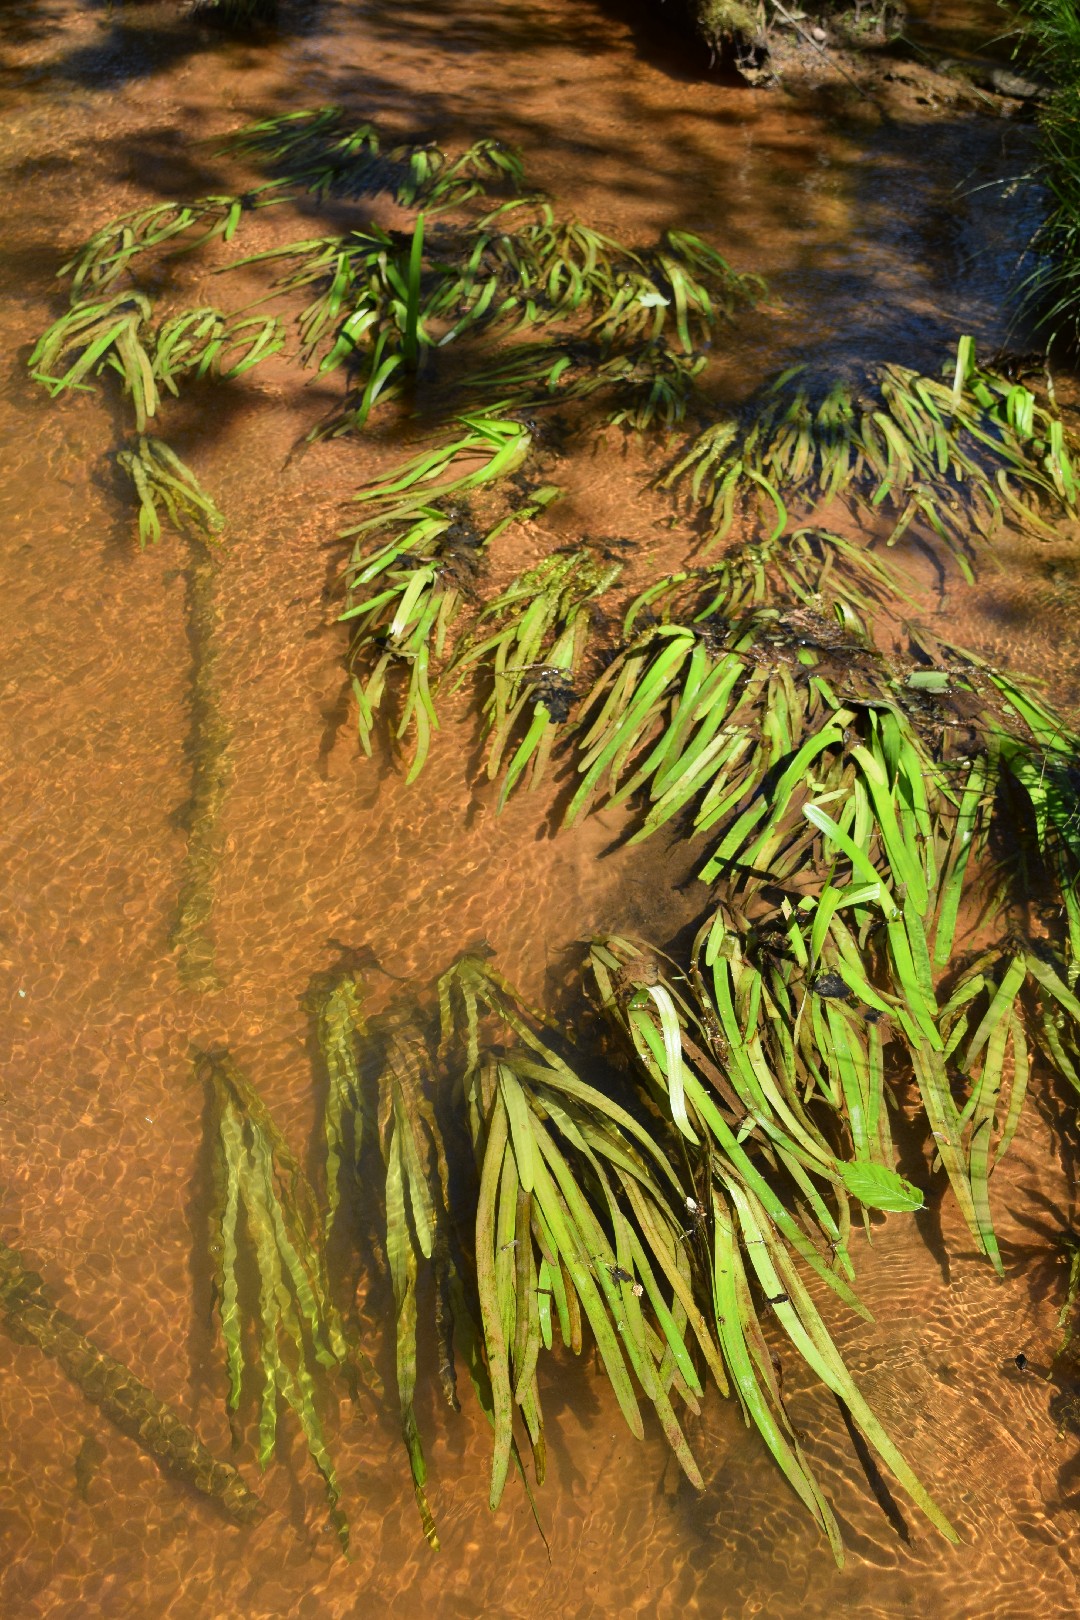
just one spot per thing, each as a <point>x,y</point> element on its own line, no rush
<point>1013,86</point>
<point>819,34</point>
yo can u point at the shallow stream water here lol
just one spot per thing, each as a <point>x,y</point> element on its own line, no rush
<point>878,242</point>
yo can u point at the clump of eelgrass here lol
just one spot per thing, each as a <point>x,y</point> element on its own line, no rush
<point>405,593</point>
<point>850,806</point>
<point>265,1217</point>
<point>166,485</point>
<point>380,1086</point>
<point>117,336</point>
<point>956,455</point>
<point>590,1213</point>
<point>632,323</point>
<point>113,251</point>
<point>533,657</point>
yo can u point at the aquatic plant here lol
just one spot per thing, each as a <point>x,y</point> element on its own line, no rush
<point>264,1209</point>
<point>380,1080</point>
<point>325,153</point>
<point>534,655</point>
<point>826,575</point>
<point>340,1025</point>
<point>446,471</point>
<point>846,824</point>
<point>743,1228</point>
<point>117,336</point>
<point>404,593</point>
<point>588,1213</point>
<point>416,1198</point>
<point>554,1248</point>
<point>957,455</point>
<point>165,484</point>
<point>383,301</point>
<point>93,335</point>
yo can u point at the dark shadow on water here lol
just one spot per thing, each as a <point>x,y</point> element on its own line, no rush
<point>204,1376</point>
<point>922,255</point>
<point>912,1141</point>
<point>874,1478</point>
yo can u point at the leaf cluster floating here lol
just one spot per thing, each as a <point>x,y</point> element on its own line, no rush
<point>112,252</point>
<point>166,485</point>
<point>404,594</point>
<point>324,152</point>
<point>746,1230</point>
<point>849,806</point>
<point>534,656</point>
<point>1049,36</point>
<point>387,303</point>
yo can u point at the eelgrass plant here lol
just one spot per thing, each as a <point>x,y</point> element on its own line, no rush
<point>654,1228</point>
<point>95,334</point>
<point>745,1232</point>
<point>380,1086</point>
<point>30,1315</point>
<point>848,812</point>
<point>416,1197</point>
<point>166,485</point>
<point>385,303</point>
<point>821,574</point>
<point>483,449</point>
<point>192,932</point>
<point>264,1210</point>
<point>405,593</point>
<point>117,335</point>
<point>325,153</point>
<point>533,657</point>
<point>956,455</point>
<point>591,1213</point>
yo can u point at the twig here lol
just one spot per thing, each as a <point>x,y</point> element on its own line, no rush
<point>793,22</point>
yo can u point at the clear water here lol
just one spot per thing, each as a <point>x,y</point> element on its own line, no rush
<point>877,244</point>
